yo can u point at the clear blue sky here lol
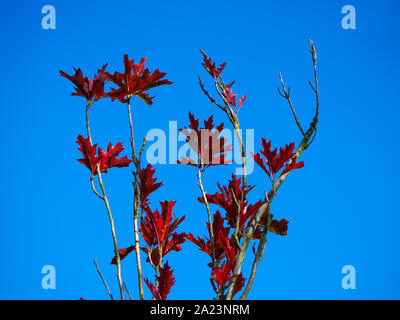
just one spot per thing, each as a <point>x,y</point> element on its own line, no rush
<point>342,206</point>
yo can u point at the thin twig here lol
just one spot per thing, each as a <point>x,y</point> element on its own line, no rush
<point>104,281</point>
<point>210,222</point>
<point>129,294</point>
<point>94,189</point>
<point>110,217</point>
<point>286,95</point>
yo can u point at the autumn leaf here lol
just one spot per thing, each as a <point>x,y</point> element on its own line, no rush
<point>85,87</point>
<point>122,254</point>
<point>165,281</point>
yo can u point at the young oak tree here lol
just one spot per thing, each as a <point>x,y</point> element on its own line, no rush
<point>234,225</point>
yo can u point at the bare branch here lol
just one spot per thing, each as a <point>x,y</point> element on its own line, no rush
<point>129,294</point>
<point>286,95</point>
<point>208,95</point>
<point>104,281</point>
<point>94,189</point>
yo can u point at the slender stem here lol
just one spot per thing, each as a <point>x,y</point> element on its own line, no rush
<point>286,95</point>
<point>210,223</point>
<point>129,294</point>
<point>110,217</point>
<point>136,205</point>
<point>104,281</point>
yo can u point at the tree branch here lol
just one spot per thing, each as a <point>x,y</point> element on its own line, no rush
<point>136,204</point>
<point>104,281</point>
<point>110,217</point>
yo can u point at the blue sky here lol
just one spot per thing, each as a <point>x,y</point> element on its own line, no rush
<point>342,206</point>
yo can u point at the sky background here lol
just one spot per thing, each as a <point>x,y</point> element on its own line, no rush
<point>342,206</point>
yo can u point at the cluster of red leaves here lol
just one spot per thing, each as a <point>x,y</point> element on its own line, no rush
<point>158,231</point>
<point>91,90</point>
<point>135,80</point>
<point>211,67</point>
<point>272,161</point>
<point>104,160</point>
<point>165,280</point>
<point>229,96</point>
<point>229,197</point>
<point>225,254</point>
<point>224,245</point>
<point>206,143</point>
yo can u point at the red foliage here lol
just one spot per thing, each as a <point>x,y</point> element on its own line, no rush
<point>158,231</point>
<point>205,244</point>
<point>239,284</point>
<point>105,159</point>
<point>165,281</point>
<point>228,199</point>
<point>272,161</point>
<point>122,254</point>
<point>229,96</point>
<point>279,227</point>
<point>147,184</point>
<point>135,80</point>
<point>85,87</point>
<point>211,68</point>
<point>206,143</point>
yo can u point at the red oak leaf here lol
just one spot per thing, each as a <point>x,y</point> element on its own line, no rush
<point>135,80</point>
<point>205,244</point>
<point>147,184</point>
<point>165,282</point>
<point>85,87</point>
<point>104,160</point>
<point>122,254</point>
<point>279,227</point>
<point>239,284</point>
<point>222,272</point>
<point>90,159</point>
<point>109,158</point>
<point>206,142</point>
<point>272,161</point>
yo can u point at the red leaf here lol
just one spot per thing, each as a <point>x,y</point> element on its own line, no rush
<point>147,184</point>
<point>105,160</point>
<point>239,284</point>
<point>109,158</point>
<point>279,227</point>
<point>85,87</point>
<point>90,159</point>
<point>165,282</point>
<point>122,254</point>
<point>206,142</point>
